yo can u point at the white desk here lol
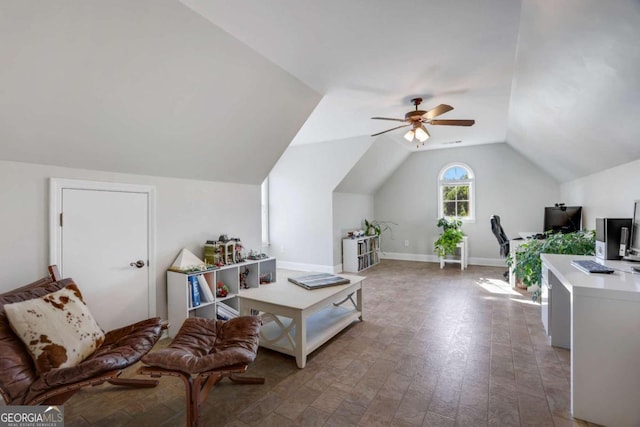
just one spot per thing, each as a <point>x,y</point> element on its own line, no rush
<point>301,320</point>
<point>597,316</point>
<point>527,234</point>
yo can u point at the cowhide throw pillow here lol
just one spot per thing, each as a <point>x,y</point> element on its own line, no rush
<point>58,328</point>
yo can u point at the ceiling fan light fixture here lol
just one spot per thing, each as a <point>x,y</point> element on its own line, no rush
<point>416,119</point>
<point>422,134</point>
<point>409,135</point>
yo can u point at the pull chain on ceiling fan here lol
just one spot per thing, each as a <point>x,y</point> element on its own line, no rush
<point>418,118</point>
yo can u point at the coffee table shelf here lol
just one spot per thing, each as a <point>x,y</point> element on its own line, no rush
<point>321,327</point>
<point>298,321</point>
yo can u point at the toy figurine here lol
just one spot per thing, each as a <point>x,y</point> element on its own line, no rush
<point>221,290</point>
<point>243,279</point>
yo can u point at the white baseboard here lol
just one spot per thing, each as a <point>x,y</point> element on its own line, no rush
<point>489,262</point>
<point>409,257</point>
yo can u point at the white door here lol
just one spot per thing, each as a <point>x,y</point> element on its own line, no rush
<point>104,245</point>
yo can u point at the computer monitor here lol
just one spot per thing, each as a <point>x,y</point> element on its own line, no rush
<point>634,241</point>
<point>562,219</point>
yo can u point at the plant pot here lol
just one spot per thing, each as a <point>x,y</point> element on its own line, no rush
<point>520,285</point>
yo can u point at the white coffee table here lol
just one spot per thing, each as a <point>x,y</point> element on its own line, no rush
<point>297,321</point>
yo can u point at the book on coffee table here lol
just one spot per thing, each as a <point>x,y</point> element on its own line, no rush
<point>318,280</point>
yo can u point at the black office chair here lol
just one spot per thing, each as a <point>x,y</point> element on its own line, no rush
<point>503,240</point>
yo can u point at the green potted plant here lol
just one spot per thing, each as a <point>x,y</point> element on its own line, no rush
<point>527,264</point>
<point>375,227</point>
<point>451,235</point>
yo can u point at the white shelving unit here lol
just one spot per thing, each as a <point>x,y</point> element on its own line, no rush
<point>360,253</point>
<point>178,291</point>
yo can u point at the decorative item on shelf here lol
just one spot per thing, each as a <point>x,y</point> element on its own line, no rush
<point>243,279</point>
<point>237,250</point>
<point>528,266</point>
<point>229,252</point>
<point>376,228</point>
<point>451,235</point>
<point>255,255</point>
<point>266,278</point>
<point>213,253</point>
<point>223,251</point>
<point>187,262</point>
<point>221,290</point>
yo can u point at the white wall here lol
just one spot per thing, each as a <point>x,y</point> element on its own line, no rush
<point>349,212</point>
<point>188,212</point>
<point>374,167</point>
<point>606,194</point>
<point>507,184</point>
<point>301,189</point>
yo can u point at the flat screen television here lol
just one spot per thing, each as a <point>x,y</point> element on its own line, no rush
<point>562,219</point>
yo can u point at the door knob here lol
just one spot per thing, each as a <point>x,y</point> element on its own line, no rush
<point>139,263</point>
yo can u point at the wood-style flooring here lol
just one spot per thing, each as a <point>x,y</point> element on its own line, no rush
<point>437,348</point>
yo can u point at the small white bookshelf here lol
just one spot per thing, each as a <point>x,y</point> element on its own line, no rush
<point>360,253</point>
<point>178,290</point>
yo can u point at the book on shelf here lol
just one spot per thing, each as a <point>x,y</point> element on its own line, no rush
<point>207,295</point>
<point>226,312</point>
<point>194,291</point>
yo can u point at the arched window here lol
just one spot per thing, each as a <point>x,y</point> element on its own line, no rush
<point>456,195</point>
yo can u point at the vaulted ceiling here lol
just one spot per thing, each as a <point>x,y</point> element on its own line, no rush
<point>144,87</point>
<point>575,100</point>
<point>218,92</point>
<point>369,58</point>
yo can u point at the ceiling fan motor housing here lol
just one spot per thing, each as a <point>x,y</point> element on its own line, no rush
<point>417,114</point>
<point>414,115</point>
<point>418,118</point>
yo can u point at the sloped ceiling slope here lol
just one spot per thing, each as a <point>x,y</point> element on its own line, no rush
<point>374,167</point>
<point>575,99</point>
<point>146,87</point>
<point>370,57</point>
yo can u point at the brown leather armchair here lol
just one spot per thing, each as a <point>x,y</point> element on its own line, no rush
<point>21,384</point>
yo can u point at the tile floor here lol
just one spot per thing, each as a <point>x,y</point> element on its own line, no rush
<point>437,348</point>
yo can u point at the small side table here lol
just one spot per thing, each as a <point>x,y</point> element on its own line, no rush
<point>464,254</point>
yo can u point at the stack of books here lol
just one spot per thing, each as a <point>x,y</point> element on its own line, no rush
<point>226,312</point>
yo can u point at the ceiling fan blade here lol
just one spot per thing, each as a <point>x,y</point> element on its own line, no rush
<point>387,118</point>
<point>453,122</point>
<point>434,112</point>
<point>389,130</point>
